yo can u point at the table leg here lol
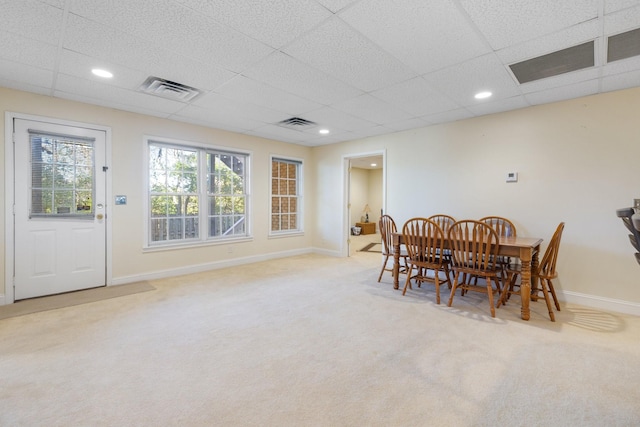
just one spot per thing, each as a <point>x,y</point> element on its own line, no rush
<point>396,264</point>
<point>525,289</point>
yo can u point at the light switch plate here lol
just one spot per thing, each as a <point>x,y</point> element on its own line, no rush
<point>512,176</point>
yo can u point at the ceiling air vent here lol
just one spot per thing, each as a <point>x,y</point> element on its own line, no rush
<point>555,63</point>
<point>297,123</point>
<point>623,45</point>
<point>168,89</point>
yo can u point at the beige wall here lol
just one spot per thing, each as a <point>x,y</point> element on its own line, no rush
<point>127,173</point>
<point>577,162</point>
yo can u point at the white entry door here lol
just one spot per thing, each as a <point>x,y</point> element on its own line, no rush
<point>60,220</point>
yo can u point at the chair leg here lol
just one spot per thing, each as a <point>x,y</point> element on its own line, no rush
<point>407,282</point>
<point>384,267</point>
<point>437,280</point>
<point>490,292</point>
<point>453,287</point>
<point>543,284</point>
<point>553,294</point>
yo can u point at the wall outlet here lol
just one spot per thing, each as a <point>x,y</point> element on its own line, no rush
<point>512,176</point>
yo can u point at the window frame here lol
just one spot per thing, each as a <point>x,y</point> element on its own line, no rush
<point>203,238</point>
<point>299,196</point>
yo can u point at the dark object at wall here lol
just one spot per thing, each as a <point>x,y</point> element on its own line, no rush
<point>632,221</point>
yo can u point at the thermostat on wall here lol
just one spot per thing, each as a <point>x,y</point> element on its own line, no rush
<point>512,177</point>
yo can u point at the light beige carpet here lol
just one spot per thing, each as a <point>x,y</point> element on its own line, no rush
<point>315,341</point>
<point>69,299</point>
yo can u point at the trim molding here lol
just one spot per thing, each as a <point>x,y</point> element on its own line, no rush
<point>602,303</point>
<point>327,252</point>
<point>199,268</point>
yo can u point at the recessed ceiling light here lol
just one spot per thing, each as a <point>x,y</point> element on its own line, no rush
<point>373,165</point>
<point>483,95</point>
<point>324,131</point>
<point>102,73</point>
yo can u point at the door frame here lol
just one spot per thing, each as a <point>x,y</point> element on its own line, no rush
<point>346,184</point>
<point>9,196</point>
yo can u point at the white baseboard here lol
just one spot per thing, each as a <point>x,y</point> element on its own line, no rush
<point>327,252</point>
<point>161,274</point>
<point>2,300</point>
<point>601,303</point>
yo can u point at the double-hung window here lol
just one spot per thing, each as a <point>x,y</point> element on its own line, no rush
<point>286,196</point>
<point>196,194</point>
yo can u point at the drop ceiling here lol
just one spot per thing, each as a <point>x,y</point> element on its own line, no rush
<point>357,68</point>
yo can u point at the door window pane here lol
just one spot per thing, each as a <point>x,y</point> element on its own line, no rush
<point>62,176</point>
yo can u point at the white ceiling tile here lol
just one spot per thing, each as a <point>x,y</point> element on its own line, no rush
<point>221,106</point>
<point>329,117</point>
<point>504,23</point>
<point>206,122</point>
<point>463,81</point>
<point>336,5</point>
<point>78,65</point>
<point>572,36</point>
<point>280,133</point>
<point>372,109</point>
<point>31,19</point>
<point>615,5</point>
<point>413,123</point>
<point>223,118</point>
<point>274,23</point>
<point>560,80</point>
<point>262,94</point>
<point>284,72</point>
<point>565,92</point>
<point>621,81</point>
<point>55,3</point>
<point>199,37</point>
<point>621,66</point>
<point>498,106</point>
<point>416,97</point>
<point>126,50</point>
<point>449,116</point>
<point>422,36</point>
<point>118,96</point>
<point>14,47</point>
<point>622,21</point>
<point>26,74</point>
<point>25,87</point>
<point>338,50</point>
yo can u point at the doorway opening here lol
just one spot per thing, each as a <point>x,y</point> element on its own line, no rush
<point>365,200</point>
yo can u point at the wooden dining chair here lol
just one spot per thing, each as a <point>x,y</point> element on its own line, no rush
<point>502,226</point>
<point>387,227</point>
<point>444,222</point>
<point>544,274</point>
<point>424,240</point>
<point>474,252</point>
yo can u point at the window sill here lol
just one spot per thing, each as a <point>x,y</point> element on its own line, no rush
<point>286,234</point>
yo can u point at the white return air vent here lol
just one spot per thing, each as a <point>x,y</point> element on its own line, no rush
<point>168,89</point>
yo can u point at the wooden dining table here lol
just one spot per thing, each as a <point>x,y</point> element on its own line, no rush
<point>524,248</point>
